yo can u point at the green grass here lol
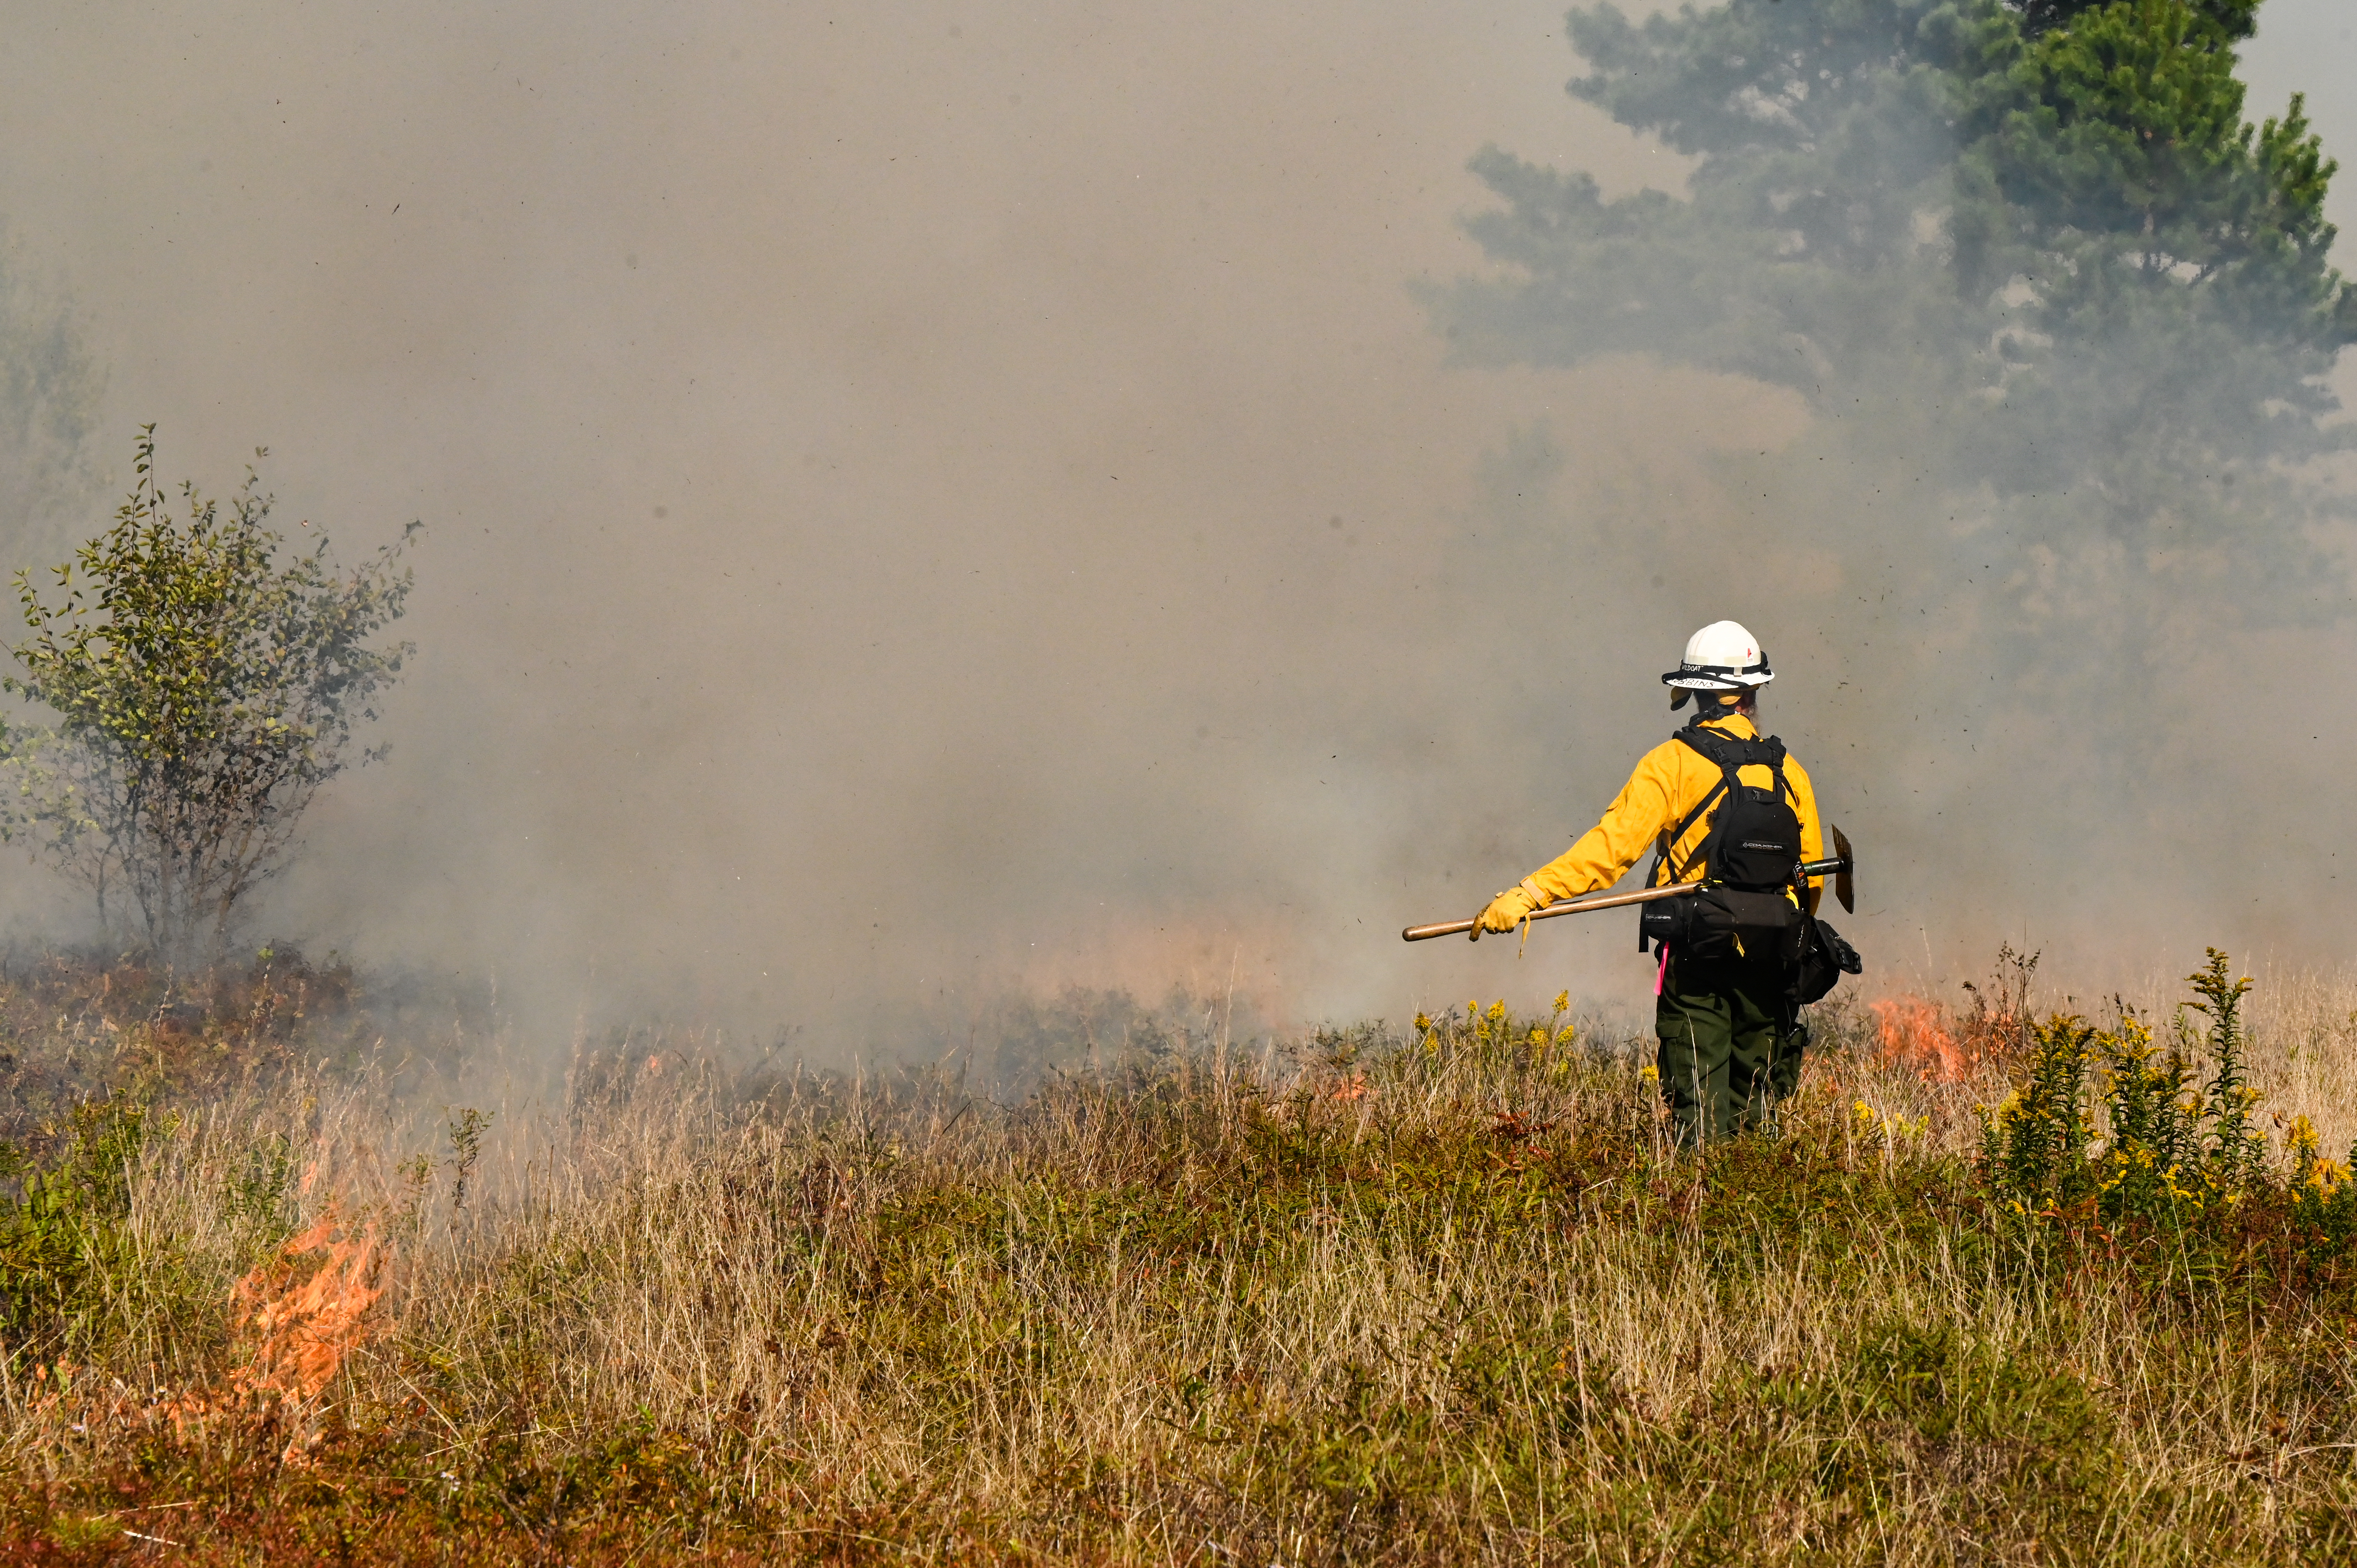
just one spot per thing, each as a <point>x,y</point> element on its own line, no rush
<point>1432,1297</point>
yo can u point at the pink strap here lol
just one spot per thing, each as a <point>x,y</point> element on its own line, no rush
<point>1661,976</point>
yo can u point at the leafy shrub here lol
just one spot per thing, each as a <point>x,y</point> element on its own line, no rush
<point>205,692</point>
<point>64,1230</point>
<point>2034,1146</point>
<point>2103,1125</point>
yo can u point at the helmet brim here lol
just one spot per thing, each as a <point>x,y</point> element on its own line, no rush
<point>1716,681</point>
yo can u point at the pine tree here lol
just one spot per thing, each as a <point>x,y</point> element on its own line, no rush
<point>2027,259</point>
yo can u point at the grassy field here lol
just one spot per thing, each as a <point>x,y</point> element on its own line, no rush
<point>1435,1294</point>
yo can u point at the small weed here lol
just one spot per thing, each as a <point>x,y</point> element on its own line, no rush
<point>465,1133</point>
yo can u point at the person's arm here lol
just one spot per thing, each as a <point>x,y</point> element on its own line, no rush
<point>1604,854</point>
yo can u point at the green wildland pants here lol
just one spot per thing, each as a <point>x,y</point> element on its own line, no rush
<point>1731,1044</point>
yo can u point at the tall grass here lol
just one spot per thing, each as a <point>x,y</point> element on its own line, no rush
<point>1442,1294</point>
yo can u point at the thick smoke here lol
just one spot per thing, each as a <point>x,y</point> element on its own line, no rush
<point>924,496</point>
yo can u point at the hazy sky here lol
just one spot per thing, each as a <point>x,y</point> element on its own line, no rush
<point>914,491</point>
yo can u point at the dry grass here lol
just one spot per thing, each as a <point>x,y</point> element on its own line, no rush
<point>1362,1300</point>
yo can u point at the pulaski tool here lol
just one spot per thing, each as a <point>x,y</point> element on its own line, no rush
<point>1840,866</point>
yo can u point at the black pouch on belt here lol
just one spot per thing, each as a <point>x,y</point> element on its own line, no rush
<point>1727,922</point>
<point>1825,959</point>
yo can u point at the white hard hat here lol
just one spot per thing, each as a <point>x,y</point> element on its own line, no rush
<point>1721,657</point>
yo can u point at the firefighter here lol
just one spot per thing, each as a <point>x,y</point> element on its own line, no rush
<point>1716,802</point>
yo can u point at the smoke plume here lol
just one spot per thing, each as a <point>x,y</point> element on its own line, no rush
<point>925,496</point>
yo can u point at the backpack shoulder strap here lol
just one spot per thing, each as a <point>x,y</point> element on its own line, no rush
<point>1712,747</point>
<point>1709,744</point>
<point>1732,753</point>
<point>1773,757</point>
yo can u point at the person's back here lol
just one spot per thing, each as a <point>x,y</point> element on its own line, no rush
<point>1725,1018</point>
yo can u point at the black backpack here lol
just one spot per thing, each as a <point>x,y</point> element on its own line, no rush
<point>1751,859</point>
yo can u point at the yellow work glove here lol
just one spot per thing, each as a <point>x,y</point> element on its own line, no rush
<point>1507,910</point>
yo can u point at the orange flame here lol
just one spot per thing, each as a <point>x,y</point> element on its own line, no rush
<point>302,1321</point>
<point>305,1323</point>
<point>1909,1034</point>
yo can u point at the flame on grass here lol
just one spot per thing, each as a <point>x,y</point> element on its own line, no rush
<point>1910,1033</point>
<point>300,1314</point>
<point>306,1309</point>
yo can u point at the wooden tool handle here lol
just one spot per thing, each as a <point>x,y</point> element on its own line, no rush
<point>1838,866</point>
<point>1570,907</point>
